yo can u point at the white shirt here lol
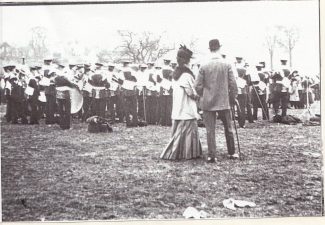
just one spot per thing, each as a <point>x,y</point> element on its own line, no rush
<point>184,108</point>
<point>113,85</point>
<point>128,85</point>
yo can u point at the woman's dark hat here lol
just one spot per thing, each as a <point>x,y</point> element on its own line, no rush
<point>214,44</point>
<point>184,52</point>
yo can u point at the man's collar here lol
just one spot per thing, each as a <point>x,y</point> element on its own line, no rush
<point>215,55</point>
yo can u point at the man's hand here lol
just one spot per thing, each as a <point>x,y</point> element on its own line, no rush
<point>232,100</point>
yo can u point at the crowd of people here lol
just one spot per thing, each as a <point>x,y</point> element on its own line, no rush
<point>153,94</point>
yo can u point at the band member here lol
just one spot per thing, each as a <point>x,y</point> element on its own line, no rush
<point>22,82</point>
<point>32,92</point>
<point>86,93</point>
<point>63,85</point>
<point>8,72</point>
<point>280,90</point>
<point>259,95</point>
<point>151,96</point>
<point>99,85</point>
<point>128,82</point>
<point>48,89</point>
<point>18,106</point>
<point>242,92</point>
<point>158,77</point>
<point>142,79</point>
<point>112,100</point>
<point>166,99</point>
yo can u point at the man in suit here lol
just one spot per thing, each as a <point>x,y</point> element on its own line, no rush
<point>217,87</point>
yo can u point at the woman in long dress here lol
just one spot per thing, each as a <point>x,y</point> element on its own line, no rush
<point>185,142</point>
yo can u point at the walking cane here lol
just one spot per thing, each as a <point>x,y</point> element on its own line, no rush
<point>258,97</point>
<point>144,104</point>
<point>233,115</point>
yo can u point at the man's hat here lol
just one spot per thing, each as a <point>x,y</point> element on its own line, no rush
<point>143,65</point>
<point>239,58</point>
<point>283,61</point>
<point>125,60</point>
<point>151,63</point>
<point>223,56</point>
<point>184,52</point>
<point>48,59</point>
<point>79,66</point>
<point>214,44</point>
<point>99,64</point>
<point>60,64</point>
<point>7,66</point>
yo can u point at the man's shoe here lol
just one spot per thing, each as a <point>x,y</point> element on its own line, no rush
<point>211,160</point>
<point>233,156</point>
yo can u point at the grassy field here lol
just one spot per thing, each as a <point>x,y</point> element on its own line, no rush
<point>51,174</point>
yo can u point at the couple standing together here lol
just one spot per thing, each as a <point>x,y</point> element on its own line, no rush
<point>216,88</point>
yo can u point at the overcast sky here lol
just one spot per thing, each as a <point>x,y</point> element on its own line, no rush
<point>240,26</point>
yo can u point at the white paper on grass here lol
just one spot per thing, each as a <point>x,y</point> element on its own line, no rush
<point>191,212</point>
<point>232,203</point>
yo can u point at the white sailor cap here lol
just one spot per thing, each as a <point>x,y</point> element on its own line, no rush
<point>143,65</point>
<point>110,64</point>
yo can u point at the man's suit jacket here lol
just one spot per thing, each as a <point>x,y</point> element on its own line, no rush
<point>215,84</point>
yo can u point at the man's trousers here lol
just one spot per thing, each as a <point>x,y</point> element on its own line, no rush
<point>209,118</point>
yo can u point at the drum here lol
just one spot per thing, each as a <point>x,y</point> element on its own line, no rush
<point>76,98</point>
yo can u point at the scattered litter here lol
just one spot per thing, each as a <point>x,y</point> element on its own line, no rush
<point>203,214</point>
<point>231,203</point>
<point>311,154</point>
<point>191,212</point>
<point>311,123</point>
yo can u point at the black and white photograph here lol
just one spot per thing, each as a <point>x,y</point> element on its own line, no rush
<point>160,110</point>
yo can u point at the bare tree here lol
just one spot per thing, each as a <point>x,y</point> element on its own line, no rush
<point>288,39</point>
<point>141,47</point>
<point>193,44</point>
<point>38,42</point>
<point>271,40</point>
<point>104,56</point>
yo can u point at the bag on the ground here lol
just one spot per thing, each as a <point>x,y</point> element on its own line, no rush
<point>97,124</point>
<point>288,119</point>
